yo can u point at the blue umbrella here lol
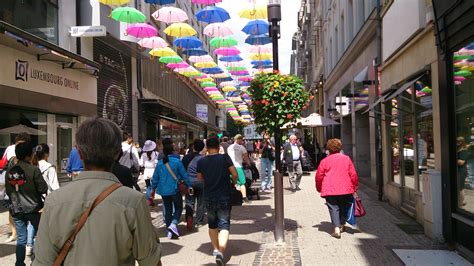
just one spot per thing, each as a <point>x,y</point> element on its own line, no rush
<point>261,39</point>
<point>187,42</point>
<point>256,27</point>
<point>212,14</point>
<point>195,52</point>
<point>261,62</point>
<point>160,2</point>
<point>212,70</point>
<point>262,66</point>
<point>233,58</point>
<point>244,83</point>
<point>224,79</point>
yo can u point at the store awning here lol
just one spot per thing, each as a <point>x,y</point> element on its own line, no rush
<point>21,40</point>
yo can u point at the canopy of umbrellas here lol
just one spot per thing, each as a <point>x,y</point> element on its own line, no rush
<point>225,83</point>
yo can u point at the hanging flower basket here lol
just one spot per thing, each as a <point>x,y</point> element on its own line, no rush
<point>276,100</point>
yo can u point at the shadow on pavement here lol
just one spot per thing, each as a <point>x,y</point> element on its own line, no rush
<point>7,250</point>
<point>168,248</point>
<point>235,247</point>
<point>329,228</point>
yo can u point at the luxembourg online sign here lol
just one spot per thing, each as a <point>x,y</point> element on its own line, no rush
<point>88,31</point>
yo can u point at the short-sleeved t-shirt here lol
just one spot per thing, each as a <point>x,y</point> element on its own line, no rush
<point>215,169</point>
<point>236,153</point>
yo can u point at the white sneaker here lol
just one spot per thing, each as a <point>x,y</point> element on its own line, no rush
<point>10,239</point>
<point>29,250</point>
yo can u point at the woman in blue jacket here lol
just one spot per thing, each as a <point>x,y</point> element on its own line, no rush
<point>168,188</point>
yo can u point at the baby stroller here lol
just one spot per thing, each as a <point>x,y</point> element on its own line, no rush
<point>252,184</point>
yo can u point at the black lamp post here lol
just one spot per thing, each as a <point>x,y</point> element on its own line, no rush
<point>274,17</point>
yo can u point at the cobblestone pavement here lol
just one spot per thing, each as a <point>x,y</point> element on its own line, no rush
<point>308,239</point>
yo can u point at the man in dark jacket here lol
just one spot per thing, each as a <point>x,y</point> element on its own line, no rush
<point>292,153</point>
<point>24,187</point>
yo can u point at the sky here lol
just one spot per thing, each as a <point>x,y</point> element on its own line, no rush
<point>288,26</point>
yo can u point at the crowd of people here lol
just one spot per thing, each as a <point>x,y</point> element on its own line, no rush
<point>105,200</point>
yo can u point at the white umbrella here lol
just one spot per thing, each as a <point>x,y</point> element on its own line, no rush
<point>313,120</point>
<point>17,129</point>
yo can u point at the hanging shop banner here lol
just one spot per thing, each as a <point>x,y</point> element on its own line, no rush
<point>114,91</point>
<point>202,112</point>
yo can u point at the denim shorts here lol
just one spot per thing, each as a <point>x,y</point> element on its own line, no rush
<point>218,214</point>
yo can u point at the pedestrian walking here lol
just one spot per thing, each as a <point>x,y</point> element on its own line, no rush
<point>10,158</point>
<point>194,200</point>
<point>130,157</point>
<point>250,146</point>
<point>24,187</point>
<point>115,226</point>
<point>225,143</point>
<point>168,173</point>
<point>74,164</point>
<point>238,154</point>
<point>214,170</point>
<point>148,161</point>
<point>337,181</point>
<point>292,154</point>
<point>267,158</point>
<point>123,173</point>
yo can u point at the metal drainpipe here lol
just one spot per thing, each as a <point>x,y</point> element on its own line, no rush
<point>378,117</point>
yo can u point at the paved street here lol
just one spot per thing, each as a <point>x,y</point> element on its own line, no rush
<point>308,239</point>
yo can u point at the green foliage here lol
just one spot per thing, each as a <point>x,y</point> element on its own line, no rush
<point>276,100</point>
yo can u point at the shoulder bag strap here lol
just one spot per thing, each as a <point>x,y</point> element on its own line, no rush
<point>82,220</point>
<point>171,172</point>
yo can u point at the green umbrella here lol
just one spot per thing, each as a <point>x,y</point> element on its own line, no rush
<point>236,68</point>
<point>223,42</point>
<point>208,84</point>
<point>128,15</point>
<point>171,59</point>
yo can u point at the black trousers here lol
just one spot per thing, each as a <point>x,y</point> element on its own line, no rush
<point>338,206</point>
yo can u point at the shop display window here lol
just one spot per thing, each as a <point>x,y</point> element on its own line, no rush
<point>463,61</point>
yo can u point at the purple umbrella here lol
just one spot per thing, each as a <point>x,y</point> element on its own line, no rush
<point>141,30</point>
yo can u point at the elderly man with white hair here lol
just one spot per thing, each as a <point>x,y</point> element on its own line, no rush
<point>292,154</point>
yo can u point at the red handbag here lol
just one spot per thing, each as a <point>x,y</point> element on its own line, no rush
<point>359,208</point>
<point>183,189</point>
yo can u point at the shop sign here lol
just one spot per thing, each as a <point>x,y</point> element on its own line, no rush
<point>23,70</point>
<point>202,112</point>
<point>88,31</point>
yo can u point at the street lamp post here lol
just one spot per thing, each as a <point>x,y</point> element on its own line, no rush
<point>274,17</point>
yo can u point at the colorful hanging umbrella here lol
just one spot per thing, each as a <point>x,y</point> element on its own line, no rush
<point>236,68</point>
<point>259,12</point>
<point>261,56</point>
<point>222,77</point>
<point>234,64</point>
<point>212,14</point>
<point>205,65</point>
<point>187,42</point>
<point>162,52</point>
<point>256,27</point>
<point>178,65</point>
<point>153,43</point>
<point>160,2</point>
<point>227,51</point>
<point>206,2</point>
<point>233,58</point>
<point>170,59</point>
<point>208,84</point>
<point>229,89</point>
<point>195,52</point>
<point>240,73</point>
<point>128,15</point>
<point>217,30</point>
<point>259,49</point>
<point>169,14</point>
<point>258,39</point>
<point>261,62</point>
<point>180,30</point>
<point>223,42</point>
<point>261,66</point>
<point>114,2</point>
<point>201,59</point>
<point>141,30</point>
<point>212,70</point>
<point>245,78</point>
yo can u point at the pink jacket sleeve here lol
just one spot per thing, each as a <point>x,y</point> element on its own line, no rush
<point>320,176</point>
<point>353,175</point>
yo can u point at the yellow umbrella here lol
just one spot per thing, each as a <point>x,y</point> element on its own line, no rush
<point>261,57</point>
<point>180,30</point>
<point>114,2</point>
<point>229,88</point>
<point>162,52</point>
<point>205,64</point>
<point>259,12</point>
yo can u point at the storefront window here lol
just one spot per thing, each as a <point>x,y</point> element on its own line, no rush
<point>38,17</point>
<point>464,101</point>
<point>395,140</point>
<point>175,131</point>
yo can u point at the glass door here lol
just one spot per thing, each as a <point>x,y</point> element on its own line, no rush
<point>64,138</point>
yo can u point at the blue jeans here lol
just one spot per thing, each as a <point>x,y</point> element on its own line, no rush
<point>266,166</point>
<point>21,224</point>
<point>31,235</point>
<point>148,188</point>
<point>190,201</point>
<point>171,203</point>
<point>218,214</point>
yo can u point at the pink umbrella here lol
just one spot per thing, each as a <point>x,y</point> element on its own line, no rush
<point>226,51</point>
<point>217,30</point>
<point>234,64</point>
<point>169,14</point>
<point>201,59</point>
<point>153,43</point>
<point>210,89</point>
<point>206,2</point>
<point>245,78</point>
<point>178,65</point>
<point>240,73</point>
<point>259,49</point>
<point>141,30</point>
